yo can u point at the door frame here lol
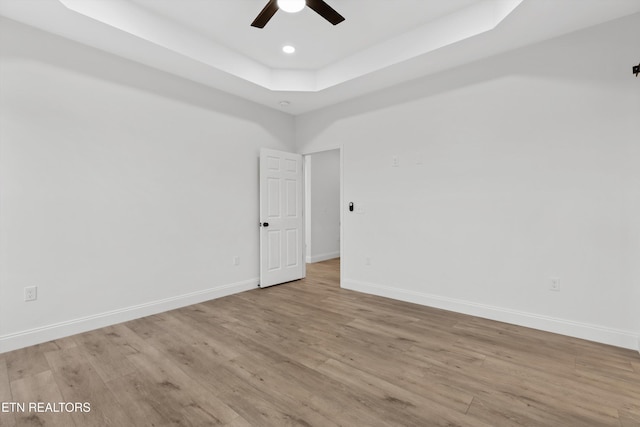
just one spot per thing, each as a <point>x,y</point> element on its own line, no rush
<point>305,155</point>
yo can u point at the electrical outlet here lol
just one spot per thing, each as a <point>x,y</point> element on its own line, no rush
<point>31,293</point>
<point>395,161</point>
<point>554,284</point>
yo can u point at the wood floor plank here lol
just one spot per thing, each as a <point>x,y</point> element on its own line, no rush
<point>629,418</point>
<point>410,376</point>
<point>188,332</point>
<point>7,419</point>
<point>255,366</point>
<point>176,394</point>
<point>147,327</point>
<point>80,382</point>
<point>308,353</point>
<point>300,405</point>
<point>62,358</point>
<point>544,395</point>
<point>142,399</point>
<point>625,393</point>
<point>252,400</point>
<point>401,399</point>
<point>608,373</point>
<point>40,387</point>
<point>107,351</point>
<point>612,361</point>
<point>508,411</point>
<point>66,342</point>
<point>511,344</point>
<point>28,361</point>
<point>332,399</point>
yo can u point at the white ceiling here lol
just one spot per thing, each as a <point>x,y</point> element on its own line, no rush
<point>318,43</point>
<point>381,42</point>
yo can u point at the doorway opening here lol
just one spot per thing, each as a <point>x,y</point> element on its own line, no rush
<point>323,208</point>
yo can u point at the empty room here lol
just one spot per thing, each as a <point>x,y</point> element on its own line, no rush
<point>319,213</point>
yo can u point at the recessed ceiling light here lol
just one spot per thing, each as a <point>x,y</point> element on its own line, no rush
<point>284,103</point>
<point>291,6</point>
<point>288,49</point>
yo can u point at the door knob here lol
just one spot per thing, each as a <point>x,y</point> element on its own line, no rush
<point>265,224</point>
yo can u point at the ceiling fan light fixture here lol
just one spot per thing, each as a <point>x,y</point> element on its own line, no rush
<point>291,6</point>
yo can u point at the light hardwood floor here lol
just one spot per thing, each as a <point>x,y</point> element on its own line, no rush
<point>308,353</point>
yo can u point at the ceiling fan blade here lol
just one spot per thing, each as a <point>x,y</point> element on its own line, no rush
<point>326,11</point>
<point>267,13</point>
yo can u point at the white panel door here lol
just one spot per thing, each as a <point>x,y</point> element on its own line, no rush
<point>281,217</point>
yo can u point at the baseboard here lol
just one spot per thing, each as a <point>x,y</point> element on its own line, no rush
<point>63,329</point>
<point>323,257</point>
<point>605,335</point>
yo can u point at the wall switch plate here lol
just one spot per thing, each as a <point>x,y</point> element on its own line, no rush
<point>31,293</point>
<point>236,260</point>
<point>554,284</point>
<point>367,261</point>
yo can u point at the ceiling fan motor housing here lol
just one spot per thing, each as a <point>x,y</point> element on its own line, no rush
<point>292,6</point>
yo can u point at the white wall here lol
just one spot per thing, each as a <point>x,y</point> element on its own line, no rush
<point>126,191</point>
<point>123,190</point>
<point>323,211</point>
<point>513,170</point>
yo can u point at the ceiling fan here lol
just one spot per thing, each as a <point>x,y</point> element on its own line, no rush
<point>319,6</point>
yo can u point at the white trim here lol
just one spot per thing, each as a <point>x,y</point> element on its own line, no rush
<point>322,150</point>
<point>307,208</point>
<point>323,257</point>
<point>587,331</point>
<point>70,327</point>
<point>342,210</point>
